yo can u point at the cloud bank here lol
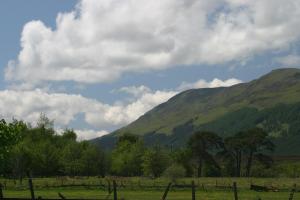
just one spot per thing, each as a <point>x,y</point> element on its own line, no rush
<point>63,108</point>
<point>101,40</point>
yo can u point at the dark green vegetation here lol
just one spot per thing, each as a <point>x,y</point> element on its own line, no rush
<point>41,151</point>
<point>271,102</point>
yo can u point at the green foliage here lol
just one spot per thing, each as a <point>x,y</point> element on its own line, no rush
<point>69,134</point>
<point>211,170</point>
<point>155,161</point>
<point>244,148</point>
<point>72,154</point>
<point>182,157</point>
<point>286,169</point>
<point>21,159</point>
<point>202,144</point>
<point>10,134</point>
<point>127,156</point>
<point>44,153</point>
<point>129,138</point>
<point>175,172</point>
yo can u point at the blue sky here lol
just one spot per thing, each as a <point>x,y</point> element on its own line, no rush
<point>98,65</point>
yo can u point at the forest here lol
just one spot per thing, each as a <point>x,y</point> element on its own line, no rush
<point>42,152</point>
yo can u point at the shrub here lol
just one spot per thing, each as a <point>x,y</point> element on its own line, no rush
<point>174,172</point>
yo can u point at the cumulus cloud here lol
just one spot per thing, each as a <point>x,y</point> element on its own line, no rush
<point>88,134</point>
<point>212,84</point>
<point>85,134</point>
<point>100,40</point>
<point>64,108</point>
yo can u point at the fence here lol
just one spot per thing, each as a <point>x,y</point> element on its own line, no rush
<point>112,191</point>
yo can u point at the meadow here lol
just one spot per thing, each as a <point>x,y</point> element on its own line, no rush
<point>150,189</point>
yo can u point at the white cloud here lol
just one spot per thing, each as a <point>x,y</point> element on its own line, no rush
<point>87,134</point>
<point>292,60</point>
<point>28,105</point>
<point>84,134</point>
<point>101,40</point>
<point>205,84</point>
<point>64,108</point>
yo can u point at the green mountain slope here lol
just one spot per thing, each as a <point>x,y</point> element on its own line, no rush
<point>271,102</point>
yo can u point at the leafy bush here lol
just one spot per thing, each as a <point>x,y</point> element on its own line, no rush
<point>174,172</point>
<point>155,161</point>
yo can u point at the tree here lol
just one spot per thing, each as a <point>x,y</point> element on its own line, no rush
<point>21,159</point>
<point>174,172</point>
<point>72,159</point>
<point>233,150</point>
<point>183,157</point>
<point>44,122</point>
<point>256,144</point>
<point>128,138</point>
<point>247,146</point>
<point>127,156</point>
<point>155,161</point>
<point>10,134</point>
<point>202,145</point>
<point>69,134</point>
<point>45,158</point>
<point>94,161</point>
<point>43,152</point>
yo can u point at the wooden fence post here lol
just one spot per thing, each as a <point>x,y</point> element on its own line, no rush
<point>61,196</point>
<point>235,191</point>
<point>292,192</point>
<point>193,191</point>
<point>31,187</point>
<point>166,191</point>
<point>115,190</point>
<point>108,187</point>
<point>1,192</point>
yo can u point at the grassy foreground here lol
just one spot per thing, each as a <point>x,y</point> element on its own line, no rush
<point>151,195</point>
<point>148,189</point>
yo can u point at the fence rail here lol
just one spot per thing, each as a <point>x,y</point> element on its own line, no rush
<point>112,190</point>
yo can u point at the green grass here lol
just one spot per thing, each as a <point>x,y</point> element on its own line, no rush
<point>139,188</point>
<point>151,195</point>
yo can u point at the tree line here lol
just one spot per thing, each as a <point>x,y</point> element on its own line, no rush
<point>43,152</point>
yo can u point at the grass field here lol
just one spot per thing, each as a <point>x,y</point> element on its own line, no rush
<point>149,189</point>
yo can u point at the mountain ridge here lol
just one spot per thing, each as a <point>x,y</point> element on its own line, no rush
<point>199,109</point>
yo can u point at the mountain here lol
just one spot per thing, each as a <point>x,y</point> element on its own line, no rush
<point>271,102</point>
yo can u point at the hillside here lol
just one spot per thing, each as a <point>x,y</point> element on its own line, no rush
<point>271,102</point>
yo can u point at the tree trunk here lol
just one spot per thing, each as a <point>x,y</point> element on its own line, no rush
<point>20,179</point>
<point>238,163</point>
<point>249,164</point>
<point>200,167</point>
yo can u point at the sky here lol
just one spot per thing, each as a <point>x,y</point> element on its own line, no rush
<point>97,65</point>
